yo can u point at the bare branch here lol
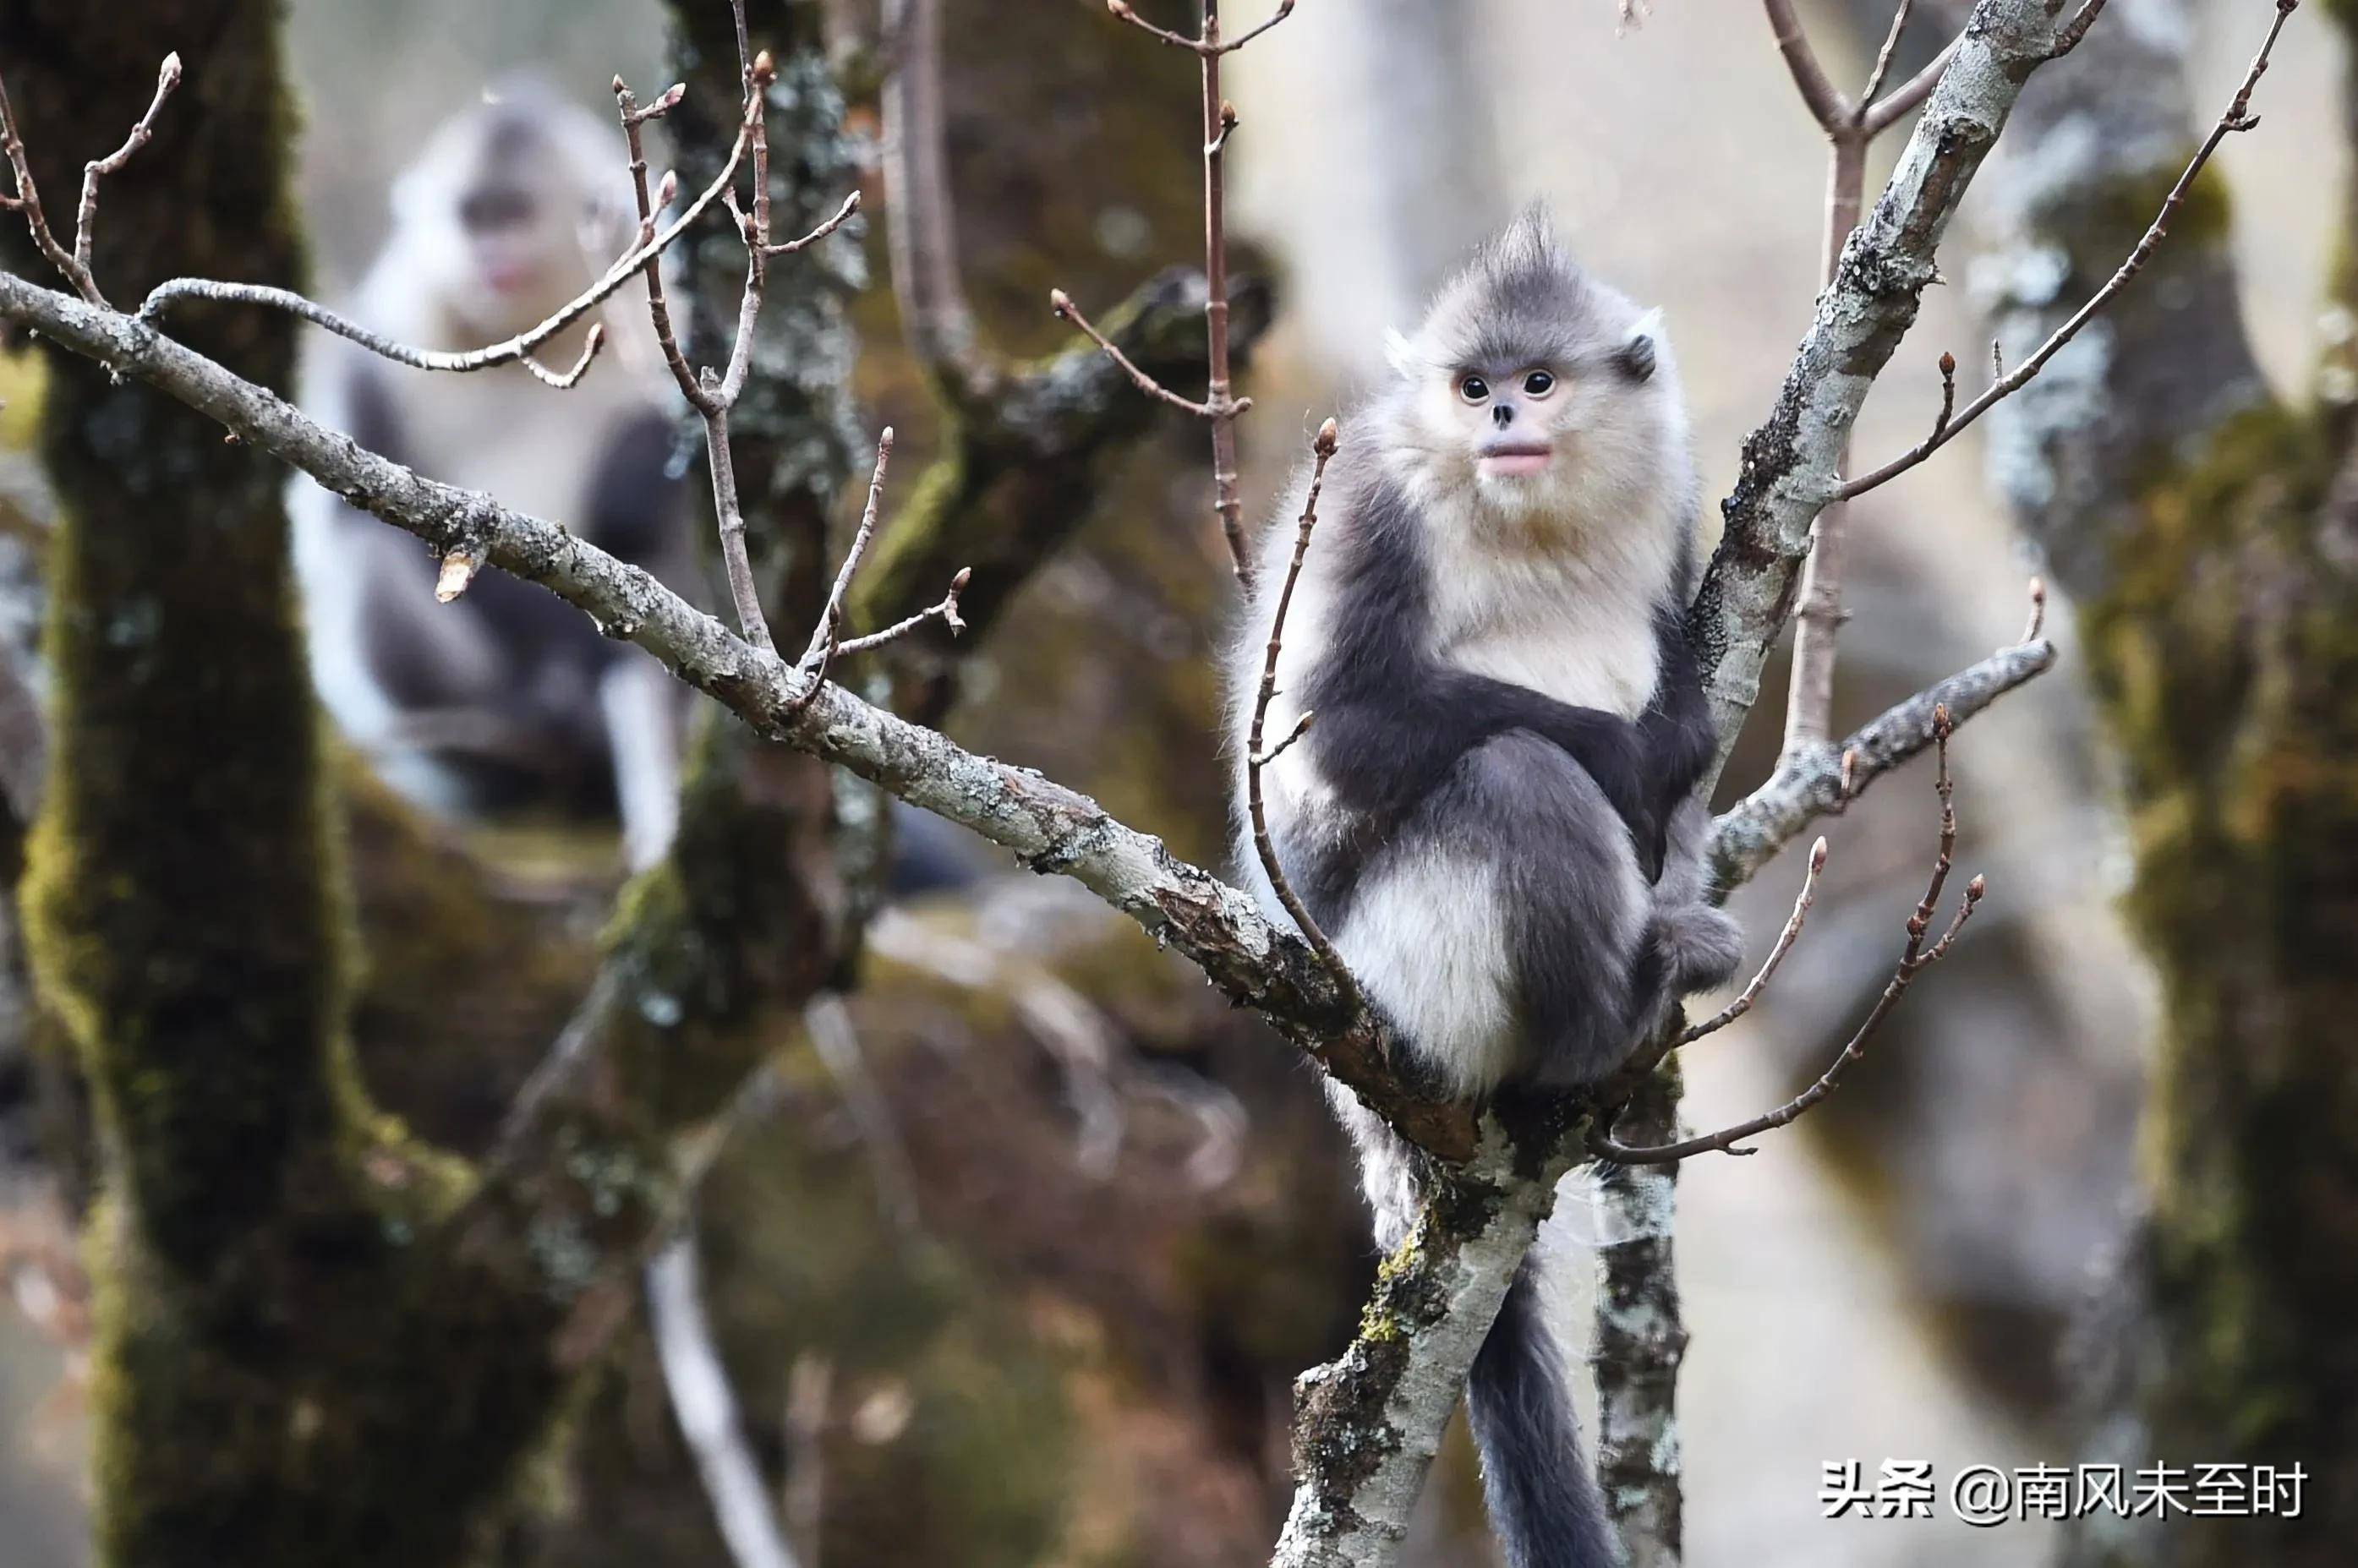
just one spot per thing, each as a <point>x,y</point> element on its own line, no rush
<point>824,639</point>
<point>1880,116</point>
<point>1785,940</point>
<point>1220,406</point>
<point>1321,448</point>
<point>165,294</point>
<point>1210,44</point>
<point>946,611</point>
<point>1822,780</point>
<point>564,381</point>
<point>705,1406</point>
<point>730,512</point>
<point>842,215</point>
<point>1791,463</point>
<point>1825,101</point>
<point>2068,35</point>
<point>1049,828</point>
<point>1914,960</point>
<point>75,265</point>
<point>1284,742</point>
<point>2237,117</point>
<point>85,218</point>
<point>1883,56</point>
<point>658,306</point>
<point>1061,305</point>
<point>922,218</point>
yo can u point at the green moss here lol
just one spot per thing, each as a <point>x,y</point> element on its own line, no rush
<point>2226,656</point>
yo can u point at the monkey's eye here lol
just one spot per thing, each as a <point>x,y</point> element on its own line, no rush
<point>1473,389</point>
<point>1539,384</point>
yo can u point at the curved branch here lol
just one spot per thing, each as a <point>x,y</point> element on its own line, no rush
<point>1823,780</point>
<point>1051,829</point>
<point>2236,117</point>
<point>1825,101</point>
<point>165,294</point>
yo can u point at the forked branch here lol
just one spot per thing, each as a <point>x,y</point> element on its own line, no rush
<point>1219,407</point>
<point>74,265</point>
<point>2236,117</point>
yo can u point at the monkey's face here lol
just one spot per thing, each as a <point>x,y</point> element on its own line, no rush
<point>494,220</point>
<point>520,256</point>
<point>1562,430</point>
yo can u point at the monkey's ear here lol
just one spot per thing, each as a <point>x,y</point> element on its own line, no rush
<point>1399,353</point>
<point>1636,354</point>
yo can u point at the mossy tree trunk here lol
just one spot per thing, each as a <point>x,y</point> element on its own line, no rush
<point>319,1339</point>
<point>2208,533</point>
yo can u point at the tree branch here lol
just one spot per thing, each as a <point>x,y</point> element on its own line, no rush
<point>75,265</point>
<point>1823,780</point>
<point>921,228</point>
<point>1050,828</point>
<point>1792,462</point>
<point>2236,117</point>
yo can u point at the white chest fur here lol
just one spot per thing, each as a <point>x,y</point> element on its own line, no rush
<point>1571,618</point>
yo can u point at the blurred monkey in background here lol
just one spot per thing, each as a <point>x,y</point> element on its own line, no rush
<point>507,695</point>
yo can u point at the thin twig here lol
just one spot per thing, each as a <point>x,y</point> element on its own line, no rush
<point>947,612</point>
<point>1061,305</point>
<point>1321,448</point>
<point>658,306</point>
<point>1210,45</point>
<point>1883,56</point>
<point>1913,961</point>
<point>1880,116</point>
<point>505,352</point>
<point>2237,118</point>
<point>1818,91</point>
<point>2037,610</point>
<point>1220,406</point>
<point>75,265</point>
<point>824,641</point>
<point>1219,119</point>
<point>85,217</point>
<point>565,381</point>
<point>1785,940</point>
<point>2068,35</point>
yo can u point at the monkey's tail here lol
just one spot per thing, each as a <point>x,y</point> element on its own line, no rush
<point>1543,1502</point>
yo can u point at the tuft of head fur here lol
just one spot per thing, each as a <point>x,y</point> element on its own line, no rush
<point>1535,389</point>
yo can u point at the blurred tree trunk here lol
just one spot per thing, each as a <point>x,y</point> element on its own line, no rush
<point>2208,536</point>
<point>319,1339</point>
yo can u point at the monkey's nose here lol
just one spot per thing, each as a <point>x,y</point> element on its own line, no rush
<point>1502,415</point>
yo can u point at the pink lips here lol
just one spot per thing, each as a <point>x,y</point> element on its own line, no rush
<point>1514,459</point>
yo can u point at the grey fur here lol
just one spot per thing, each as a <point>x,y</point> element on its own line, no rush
<point>1492,814</point>
<point>506,694</point>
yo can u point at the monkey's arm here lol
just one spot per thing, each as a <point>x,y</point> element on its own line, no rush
<point>1386,755</point>
<point>1674,733</point>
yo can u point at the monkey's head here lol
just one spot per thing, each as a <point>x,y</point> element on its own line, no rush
<point>516,203</point>
<point>1536,389</point>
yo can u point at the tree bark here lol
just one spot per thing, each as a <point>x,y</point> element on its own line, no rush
<point>2208,536</point>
